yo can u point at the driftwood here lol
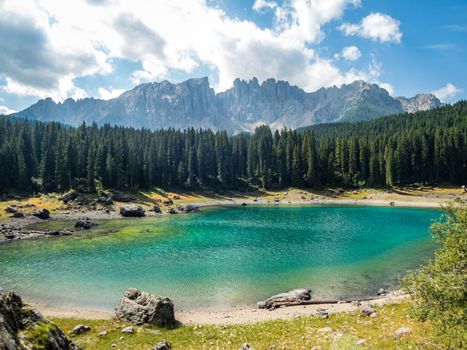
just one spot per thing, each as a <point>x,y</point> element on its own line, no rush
<point>277,304</point>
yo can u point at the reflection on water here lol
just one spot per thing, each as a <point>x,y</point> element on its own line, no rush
<point>225,256</point>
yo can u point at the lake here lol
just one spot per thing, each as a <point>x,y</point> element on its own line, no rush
<point>224,256</point>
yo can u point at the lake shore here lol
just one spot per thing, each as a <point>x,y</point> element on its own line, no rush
<point>12,229</point>
<point>234,315</point>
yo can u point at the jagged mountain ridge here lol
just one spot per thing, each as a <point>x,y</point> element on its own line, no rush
<point>193,103</point>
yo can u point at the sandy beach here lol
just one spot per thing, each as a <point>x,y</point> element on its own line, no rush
<point>236,315</point>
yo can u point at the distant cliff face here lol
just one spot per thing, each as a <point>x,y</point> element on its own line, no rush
<point>420,102</point>
<point>246,105</point>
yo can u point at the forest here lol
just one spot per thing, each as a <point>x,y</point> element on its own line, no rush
<point>426,147</point>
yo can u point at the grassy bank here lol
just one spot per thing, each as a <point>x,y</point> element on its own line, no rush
<point>339,331</point>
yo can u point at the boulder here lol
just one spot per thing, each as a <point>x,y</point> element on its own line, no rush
<point>139,308</point>
<point>381,292</point>
<point>81,328</point>
<point>245,346</point>
<point>128,330</point>
<point>43,214</point>
<point>24,328</point>
<point>11,209</point>
<point>401,332</point>
<point>163,345</point>
<point>172,211</point>
<point>131,210</point>
<point>168,201</point>
<point>157,209</point>
<point>105,200</point>
<point>68,197</point>
<point>188,208</point>
<point>367,310</point>
<point>18,215</point>
<point>292,296</point>
<point>322,312</point>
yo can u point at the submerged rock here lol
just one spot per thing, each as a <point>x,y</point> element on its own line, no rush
<point>131,210</point>
<point>24,328</point>
<point>84,224</point>
<point>188,208</point>
<point>139,307</point>
<point>295,295</point>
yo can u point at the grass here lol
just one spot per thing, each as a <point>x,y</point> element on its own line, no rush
<point>49,202</point>
<point>299,333</point>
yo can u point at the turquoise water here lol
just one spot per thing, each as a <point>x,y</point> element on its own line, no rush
<point>226,256</point>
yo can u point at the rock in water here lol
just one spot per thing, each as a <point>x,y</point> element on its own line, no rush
<point>139,308</point>
<point>131,210</point>
<point>295,295</point>
<point>188,208</point>
<point>23,328</point>
<point>163,345</point>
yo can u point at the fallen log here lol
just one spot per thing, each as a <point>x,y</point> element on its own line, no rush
<point>278,304</point>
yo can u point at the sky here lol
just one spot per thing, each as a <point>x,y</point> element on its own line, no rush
<point>100,48</point>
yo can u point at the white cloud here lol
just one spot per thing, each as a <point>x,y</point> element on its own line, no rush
<point>447,92</point>
<point>376,26</point>
<point>262,5</point>
<point>5,110</point>
<point>73,39</point>
<point>350,53</point>
<point>388,87</point>
<point>107,94</point>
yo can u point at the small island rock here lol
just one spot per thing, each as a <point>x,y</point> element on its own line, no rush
<point>139,308</point>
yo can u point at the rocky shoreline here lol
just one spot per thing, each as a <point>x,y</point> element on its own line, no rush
<point>84,211</point>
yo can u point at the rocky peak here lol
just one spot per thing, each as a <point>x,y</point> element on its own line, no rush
<point>420,102</point>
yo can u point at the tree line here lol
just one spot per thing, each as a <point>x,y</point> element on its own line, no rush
<point>426,147</point>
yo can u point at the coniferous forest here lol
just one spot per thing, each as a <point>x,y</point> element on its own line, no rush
<point>425,147</point>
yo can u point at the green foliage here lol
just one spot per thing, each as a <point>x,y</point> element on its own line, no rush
<point>439,290</point>
<point>424,147</point>
<point>37,337</point>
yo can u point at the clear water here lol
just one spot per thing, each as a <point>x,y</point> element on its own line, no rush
<point>222,257</point>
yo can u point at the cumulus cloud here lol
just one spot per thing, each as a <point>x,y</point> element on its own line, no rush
<point>262,5</point>
<point>349,53</point>
<point>52,43</point>
<point>376,26</point>
<point>447,92</point>
<point>5,110</point>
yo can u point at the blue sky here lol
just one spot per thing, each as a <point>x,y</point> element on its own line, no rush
<point>98,48</point>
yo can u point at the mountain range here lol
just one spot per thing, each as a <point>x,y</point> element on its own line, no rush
<point>248,104</point>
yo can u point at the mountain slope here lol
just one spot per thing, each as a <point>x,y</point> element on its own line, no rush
<point>193,103</point>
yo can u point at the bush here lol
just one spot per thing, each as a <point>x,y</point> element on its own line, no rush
<point>439,289</point>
